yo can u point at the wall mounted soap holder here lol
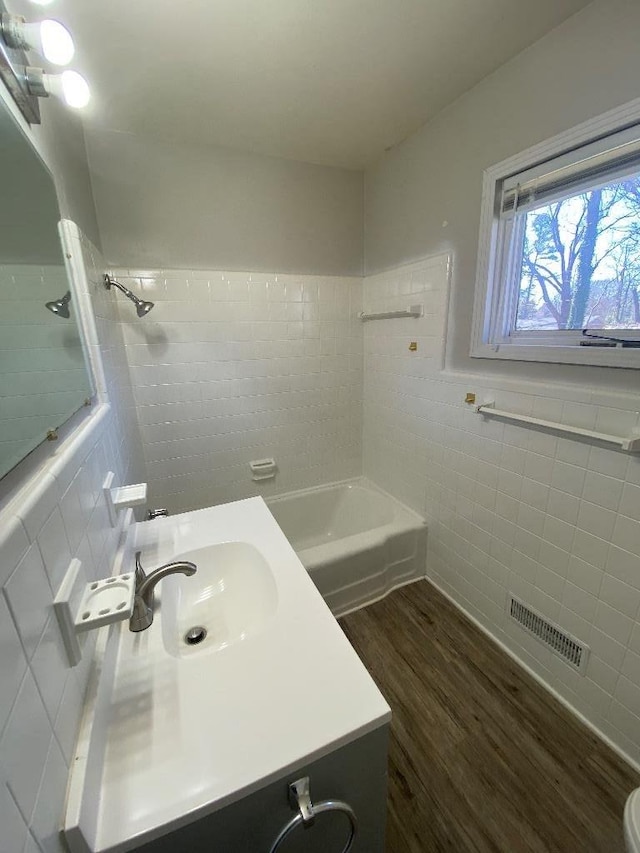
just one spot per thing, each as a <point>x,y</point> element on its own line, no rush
<point>263,469</point>
<point>121,497</point>
<point>82,605</point>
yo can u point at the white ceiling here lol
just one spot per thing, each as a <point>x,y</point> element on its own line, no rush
<point>325,81</point>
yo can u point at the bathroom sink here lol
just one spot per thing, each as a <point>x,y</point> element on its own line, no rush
<point>232,597</point>
<point>177,732</point>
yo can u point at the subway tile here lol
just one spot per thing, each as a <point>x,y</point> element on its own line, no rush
<point>24,746</point>
<point>630,501</point>
<point>13,545</point>
<point>582,603</point>
<point>584,575</point>
<point>49,809</point>
<point>628,694</point>
<point>13,663</point>
<point>626,534</point>
<point>74,518</point>
<point>590,548</point>
<point>54,548</point>
<point>30,598</point>
<point>625,719</point>
<point>14,829</point>
<point>608,462</point>
<point>601,490</point>
<point>37,505</point>
<point>50,667</point>
<point>596,520</point>
<point>621,596</point>
<point>613,623</point>
<point>68,717</point>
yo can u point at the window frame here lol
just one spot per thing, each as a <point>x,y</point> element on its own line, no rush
<point>494,304</point>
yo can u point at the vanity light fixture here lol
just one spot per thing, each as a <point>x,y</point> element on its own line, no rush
<point>69,86</point>
<point>49,38</point>
<point>60,307</point>
<point>26,83</point>
<point>142,307</point>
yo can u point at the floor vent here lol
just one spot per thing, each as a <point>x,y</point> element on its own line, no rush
<point>560,642</point>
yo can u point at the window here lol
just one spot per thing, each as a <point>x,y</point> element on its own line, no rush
<point>559,255</point>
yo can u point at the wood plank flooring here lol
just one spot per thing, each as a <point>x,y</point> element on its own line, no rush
<point>481,757</point>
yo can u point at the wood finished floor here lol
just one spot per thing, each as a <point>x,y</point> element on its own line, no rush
<point>481,757</point>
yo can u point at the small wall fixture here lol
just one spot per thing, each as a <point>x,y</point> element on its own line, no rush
<point>142,307</point>
<point>60,307</point>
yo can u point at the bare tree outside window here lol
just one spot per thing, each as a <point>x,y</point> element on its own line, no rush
<point>581,261</point>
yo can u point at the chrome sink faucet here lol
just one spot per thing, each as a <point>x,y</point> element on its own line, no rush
<point>142,615</point>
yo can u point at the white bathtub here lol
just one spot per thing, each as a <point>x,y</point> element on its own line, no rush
<point>356,541</point>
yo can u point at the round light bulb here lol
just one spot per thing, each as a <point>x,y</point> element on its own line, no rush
<point>51,39</point>
<point>57,44</point>
<point>75,89</point>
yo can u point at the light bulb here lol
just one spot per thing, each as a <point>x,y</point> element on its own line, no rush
<point>42,2</point>
<point>70,86</point>
<point>57,44</point>
<point>50,38</point>
<point>75,89</point>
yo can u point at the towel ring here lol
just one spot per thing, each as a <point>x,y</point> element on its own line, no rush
<point>300,798</point>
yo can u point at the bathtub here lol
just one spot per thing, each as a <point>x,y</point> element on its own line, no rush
<point>356,541</point>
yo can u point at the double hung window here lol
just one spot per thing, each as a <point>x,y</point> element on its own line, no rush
<point>559,260</point>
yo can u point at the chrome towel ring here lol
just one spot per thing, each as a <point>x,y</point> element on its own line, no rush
<point>300,798</point>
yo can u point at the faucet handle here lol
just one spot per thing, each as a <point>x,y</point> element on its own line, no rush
<point>141,575</point>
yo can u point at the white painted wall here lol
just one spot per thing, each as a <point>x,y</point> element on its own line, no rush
<point>195,206</point>
<point>232,367</point>
<point>584,67</point>
<point>59,139</point>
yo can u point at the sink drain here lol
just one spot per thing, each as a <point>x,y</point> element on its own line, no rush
<point>195,635</point>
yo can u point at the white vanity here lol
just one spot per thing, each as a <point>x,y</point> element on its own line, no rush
<point>193,746</point>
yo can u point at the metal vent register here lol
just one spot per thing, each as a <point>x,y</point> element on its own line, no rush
<point>561,643</point>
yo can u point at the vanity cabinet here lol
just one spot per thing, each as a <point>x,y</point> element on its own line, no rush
<point>355,773</point>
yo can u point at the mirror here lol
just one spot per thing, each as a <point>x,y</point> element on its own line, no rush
<point>44,378</point>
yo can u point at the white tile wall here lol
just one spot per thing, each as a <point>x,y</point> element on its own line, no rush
<point>230,367</point>
<point>554,520</point>
<point>59,514</point>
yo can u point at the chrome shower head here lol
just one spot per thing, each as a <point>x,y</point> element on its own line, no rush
<point>142,307</point>
<point>60,307</point>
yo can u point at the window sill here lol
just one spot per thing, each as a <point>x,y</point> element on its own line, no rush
<point>594,356</point>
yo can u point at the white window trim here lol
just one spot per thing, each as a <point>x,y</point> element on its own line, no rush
<point>488,304</point>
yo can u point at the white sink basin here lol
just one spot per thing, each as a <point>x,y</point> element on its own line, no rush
<point>233,596</point>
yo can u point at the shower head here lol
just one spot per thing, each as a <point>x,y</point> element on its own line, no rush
<point>142,307</point>
<point>60,307</point>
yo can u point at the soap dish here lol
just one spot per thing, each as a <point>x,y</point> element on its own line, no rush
<point>82,606</point>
